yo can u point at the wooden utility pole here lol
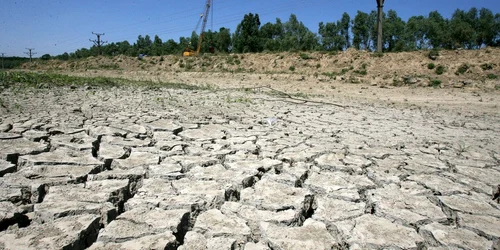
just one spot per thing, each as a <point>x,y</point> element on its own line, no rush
<point>30,53</point>
<point>380,9</point>
<point>98,42</point>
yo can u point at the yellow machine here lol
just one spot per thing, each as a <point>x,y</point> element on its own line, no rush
<point>190,52</point>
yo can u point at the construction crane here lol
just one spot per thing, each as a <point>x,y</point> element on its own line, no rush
<point>190,52</point>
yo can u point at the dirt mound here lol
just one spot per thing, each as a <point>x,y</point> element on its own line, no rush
<point>458,68</point>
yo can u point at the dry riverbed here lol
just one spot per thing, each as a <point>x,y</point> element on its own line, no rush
<point>345,166</point>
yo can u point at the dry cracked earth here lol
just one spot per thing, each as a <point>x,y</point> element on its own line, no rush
<point>120,168</point>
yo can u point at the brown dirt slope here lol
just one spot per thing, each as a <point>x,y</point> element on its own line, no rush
<point>460,68</point>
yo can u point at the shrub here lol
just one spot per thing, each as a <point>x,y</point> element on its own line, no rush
<point>305,56</point>
<point>433,54</point>
<point>435,83</point>
<point>361,72</point>
<point>492,76</point>
<point>431,66</point>
<point>487,66</point>
<point>440,69</point>
<point>292,68</point>
<point>462,69</point>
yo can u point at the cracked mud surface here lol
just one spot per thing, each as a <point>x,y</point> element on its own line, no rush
<point>123,168</point>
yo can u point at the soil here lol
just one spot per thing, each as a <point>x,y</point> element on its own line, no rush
<point>394,78</point>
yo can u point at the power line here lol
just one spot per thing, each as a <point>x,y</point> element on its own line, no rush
<point>98,42</point>
<point>30,53</point>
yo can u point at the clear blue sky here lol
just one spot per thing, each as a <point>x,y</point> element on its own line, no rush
<point>58,26</point>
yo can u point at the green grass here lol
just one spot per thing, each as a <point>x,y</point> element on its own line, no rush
<point>49,80</point>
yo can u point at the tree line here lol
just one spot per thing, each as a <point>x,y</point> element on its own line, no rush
<point>470,29</point>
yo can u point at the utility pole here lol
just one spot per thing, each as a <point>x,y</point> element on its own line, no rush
<point>3,54</point>
<point>380,9</point>
<point>98,42</point>
<point>30,53</point>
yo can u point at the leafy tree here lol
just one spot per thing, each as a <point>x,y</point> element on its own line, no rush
<point>222,40</point>
<point>394,28</point>
<point>157,47</point>
<point>64,56</point>
<point>486,28</point>
<point>344,26</point>
<point>297,36</point>
<point>362,29</point>
<point>193,41</point>
<point>272,35</point>
<point>462,29</point>
<point>331,36</point>
<point>438,34</point>
<point>171,47</point>
<point>496,41</point>
<point>416,31</point>
<point>246,37</point>
<point>143,44</point>
<point>45,57</point>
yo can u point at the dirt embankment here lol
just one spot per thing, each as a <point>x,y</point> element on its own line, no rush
<point>461,79</point>
<point>479,68</point>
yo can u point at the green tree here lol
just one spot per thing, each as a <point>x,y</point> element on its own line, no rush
<point>64,56</point>
<point>331,36</point>
<point>246,37</point>
<point>496,40</point>
<point>272,35</point>
<point>45,57</point>
<point>344,26</point>
<point>438,31</point>
<point>297,36</point>
<point>157,47</point>
<point>222,41</point>
<point>462,30</point>
<point>394,29</point>
<point>193,41</point>
<point>171,47</point>
<point>362,29</point>
<point>486,28</point>
<point>143,44</point>
<point>416,31</point>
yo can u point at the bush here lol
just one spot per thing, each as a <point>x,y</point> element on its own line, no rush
<point>431,66</point>
<point>487,66</point>
<point>292,68</point>
<point>361,72</point>
<point>462,69</point>
<point>433,54</point>
<point>440,69</point>
<point>435,83</point>
<point>305,56</point>
<point>492,76</point>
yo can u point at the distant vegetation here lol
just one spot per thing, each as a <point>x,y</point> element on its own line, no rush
<point>470,29</point>
<point>13,62</point>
